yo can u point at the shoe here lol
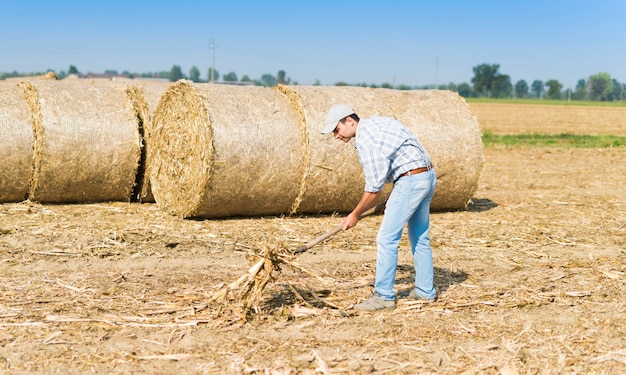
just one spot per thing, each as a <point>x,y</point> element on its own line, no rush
<point>413,295</point>
<point>376,303</point>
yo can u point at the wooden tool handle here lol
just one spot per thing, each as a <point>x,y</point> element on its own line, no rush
<point>322,237</point>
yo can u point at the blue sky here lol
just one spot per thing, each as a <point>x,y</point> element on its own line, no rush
<point>412,42</point>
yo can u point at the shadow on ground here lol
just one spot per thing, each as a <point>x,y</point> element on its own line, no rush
<point>481,204</point>
<point>443,279</point>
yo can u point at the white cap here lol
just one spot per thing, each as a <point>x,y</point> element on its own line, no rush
<point>336,113</point>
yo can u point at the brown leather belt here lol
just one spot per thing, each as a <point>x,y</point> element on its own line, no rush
<point>416,171</point>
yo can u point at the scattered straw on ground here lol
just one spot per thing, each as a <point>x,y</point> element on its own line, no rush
<point>530,280</point>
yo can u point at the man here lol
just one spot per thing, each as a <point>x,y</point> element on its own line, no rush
<point>389,152</point>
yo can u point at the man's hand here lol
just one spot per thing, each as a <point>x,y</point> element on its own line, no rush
<point>349,221</point>
<point>366,201</point>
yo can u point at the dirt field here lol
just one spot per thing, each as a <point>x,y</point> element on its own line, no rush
<point>531,281</point>
<point>550,119</point>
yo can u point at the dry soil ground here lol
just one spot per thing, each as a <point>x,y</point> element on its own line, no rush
<point>551,119</point>
<point>531,280</point>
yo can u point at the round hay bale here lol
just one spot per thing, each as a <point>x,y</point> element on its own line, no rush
<point>49,76</point>
<point>222,150</point>
<point>145,97</point>
<point>86,146</point>
<point>333,179</point>
<point>16,144</point>
<point>443,122</point>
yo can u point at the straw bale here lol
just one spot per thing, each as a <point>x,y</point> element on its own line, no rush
<point>16,144</point>
<point>221,150</point>
<point>86,146</point>
<point>50,76</point>
<point>206,157</point>
<point>145,97</point>
<point>334,179</point>
<point>450,132</point>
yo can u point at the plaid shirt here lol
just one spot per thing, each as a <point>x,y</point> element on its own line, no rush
<point>386,150</point>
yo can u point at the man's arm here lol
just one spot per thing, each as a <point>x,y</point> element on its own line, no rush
<point>367,199</point>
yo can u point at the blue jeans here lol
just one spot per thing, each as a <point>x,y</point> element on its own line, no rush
<point>408,203</point>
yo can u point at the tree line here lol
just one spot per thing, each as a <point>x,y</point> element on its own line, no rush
<point>487,82</point>
<point>172,75</point>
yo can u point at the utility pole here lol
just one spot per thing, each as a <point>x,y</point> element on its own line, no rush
<point>437,73</point>
<point>212,46</point>
<point>569,91</point>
